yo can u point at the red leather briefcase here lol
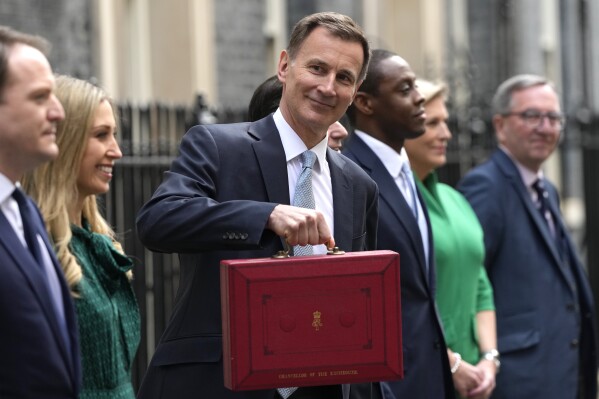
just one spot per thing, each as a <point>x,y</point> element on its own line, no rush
<point>311,320</point>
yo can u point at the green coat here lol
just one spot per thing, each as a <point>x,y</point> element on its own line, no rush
<point>108,315</point>
<point>463,288</point>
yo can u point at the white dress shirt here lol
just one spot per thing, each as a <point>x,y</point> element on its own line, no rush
<point>393,162</point>
<point>321,174</point>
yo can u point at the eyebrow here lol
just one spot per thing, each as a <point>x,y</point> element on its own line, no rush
<point>321,62</point>
<point>104,126</point>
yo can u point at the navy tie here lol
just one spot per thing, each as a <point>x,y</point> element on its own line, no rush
<point>53,285</point>
<point>543,204</point>
<point>29,227</point>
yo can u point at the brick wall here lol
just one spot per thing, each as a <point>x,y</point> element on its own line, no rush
<point>65,23</point>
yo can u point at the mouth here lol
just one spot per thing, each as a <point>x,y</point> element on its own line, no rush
<point>50,132</point>
<point>105,169</point>
<point>420,115</point>
<point>321,103</point>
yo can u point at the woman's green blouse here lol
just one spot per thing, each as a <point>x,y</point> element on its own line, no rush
<point>463,288</point>
<point>108,316</point>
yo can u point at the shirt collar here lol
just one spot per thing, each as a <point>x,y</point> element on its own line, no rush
<point>391,159</point>
<point>6,188</point>
<point>528,176</point>
<point>293,144</point>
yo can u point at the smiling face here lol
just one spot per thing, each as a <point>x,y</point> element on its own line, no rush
<point>530,145</point>
<point>319,83</point>
<point>428,152</point>
<point>29,111</point>
<point>102,150</point>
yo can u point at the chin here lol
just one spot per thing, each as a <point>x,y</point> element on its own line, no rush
<point>49,155</point>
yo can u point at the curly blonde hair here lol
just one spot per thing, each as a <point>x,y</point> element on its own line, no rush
<point>54,185</point>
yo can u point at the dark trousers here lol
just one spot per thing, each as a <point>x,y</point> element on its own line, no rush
<point>358,391</point>
<point>322,392</point>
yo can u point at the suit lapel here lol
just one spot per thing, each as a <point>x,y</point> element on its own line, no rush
<point>270,153</point>
<point>69,309</point>
<point>271,159</point>
<point>390,194</point>
<point>36,277</point>
<point>507,166</point>
<point>343,204</point>
<point>432,278</point>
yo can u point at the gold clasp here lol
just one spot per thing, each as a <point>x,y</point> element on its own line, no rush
<point>335,251</point>
<point>283,253</point>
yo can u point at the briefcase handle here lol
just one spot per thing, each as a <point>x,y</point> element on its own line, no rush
<point>284,253</point>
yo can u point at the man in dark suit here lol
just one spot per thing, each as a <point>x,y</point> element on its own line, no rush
<point>386,111</point>
<point>545,311</point>
<point>226,197</point>
<point>39,346</point>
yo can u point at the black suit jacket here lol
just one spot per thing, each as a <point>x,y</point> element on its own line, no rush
<point>36,361</point>
<point>214,204</point>
<point>426,367</point>
<point>544,306</point>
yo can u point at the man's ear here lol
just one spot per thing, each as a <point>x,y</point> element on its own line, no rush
<point>363,103</point>
<point>283,67</point>
<point>498,125</point>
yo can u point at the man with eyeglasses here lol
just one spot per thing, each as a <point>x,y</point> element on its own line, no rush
<point>544,305</point>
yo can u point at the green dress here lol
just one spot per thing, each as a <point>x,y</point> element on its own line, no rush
<point>108,316</point>
<point>463,288</point>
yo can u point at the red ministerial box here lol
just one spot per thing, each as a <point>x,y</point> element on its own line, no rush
<point>311,320</point>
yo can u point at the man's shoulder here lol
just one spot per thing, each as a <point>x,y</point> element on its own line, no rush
<point>230,129</point>
<point>349,166</point>
<point>237,129</point>
<point>488,169</point>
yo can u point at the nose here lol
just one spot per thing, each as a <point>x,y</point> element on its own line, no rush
<point>327,86</point>
<point>55,111</point>
<point>445,132</point>
<point>417,97</point>
<point>337,131</point>
<point>114,151</point>
<point>545,125</point>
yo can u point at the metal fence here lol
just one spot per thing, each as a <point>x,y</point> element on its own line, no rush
<point>150,137</point>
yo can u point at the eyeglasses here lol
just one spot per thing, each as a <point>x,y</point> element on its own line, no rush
<point>534,118</point>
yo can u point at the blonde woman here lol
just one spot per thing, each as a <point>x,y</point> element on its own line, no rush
<point>464,295</point>
<point>97,271</point>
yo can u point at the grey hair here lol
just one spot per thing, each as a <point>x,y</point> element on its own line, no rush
<point>502,100</point>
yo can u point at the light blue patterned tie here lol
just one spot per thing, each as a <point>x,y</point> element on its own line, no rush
<point>286,392</point>
<point>304,196</point>
<point>411,186</point>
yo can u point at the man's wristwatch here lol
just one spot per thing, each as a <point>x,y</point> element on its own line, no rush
<point>492,355</point>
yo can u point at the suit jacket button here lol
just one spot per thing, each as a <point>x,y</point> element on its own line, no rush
<point>437,344</point>
<point>236,235</point>
<point>244,236</point>
<point>225,236</point>
<point>231,236</point>
<point>571,307</point>
<point>574,343</point>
